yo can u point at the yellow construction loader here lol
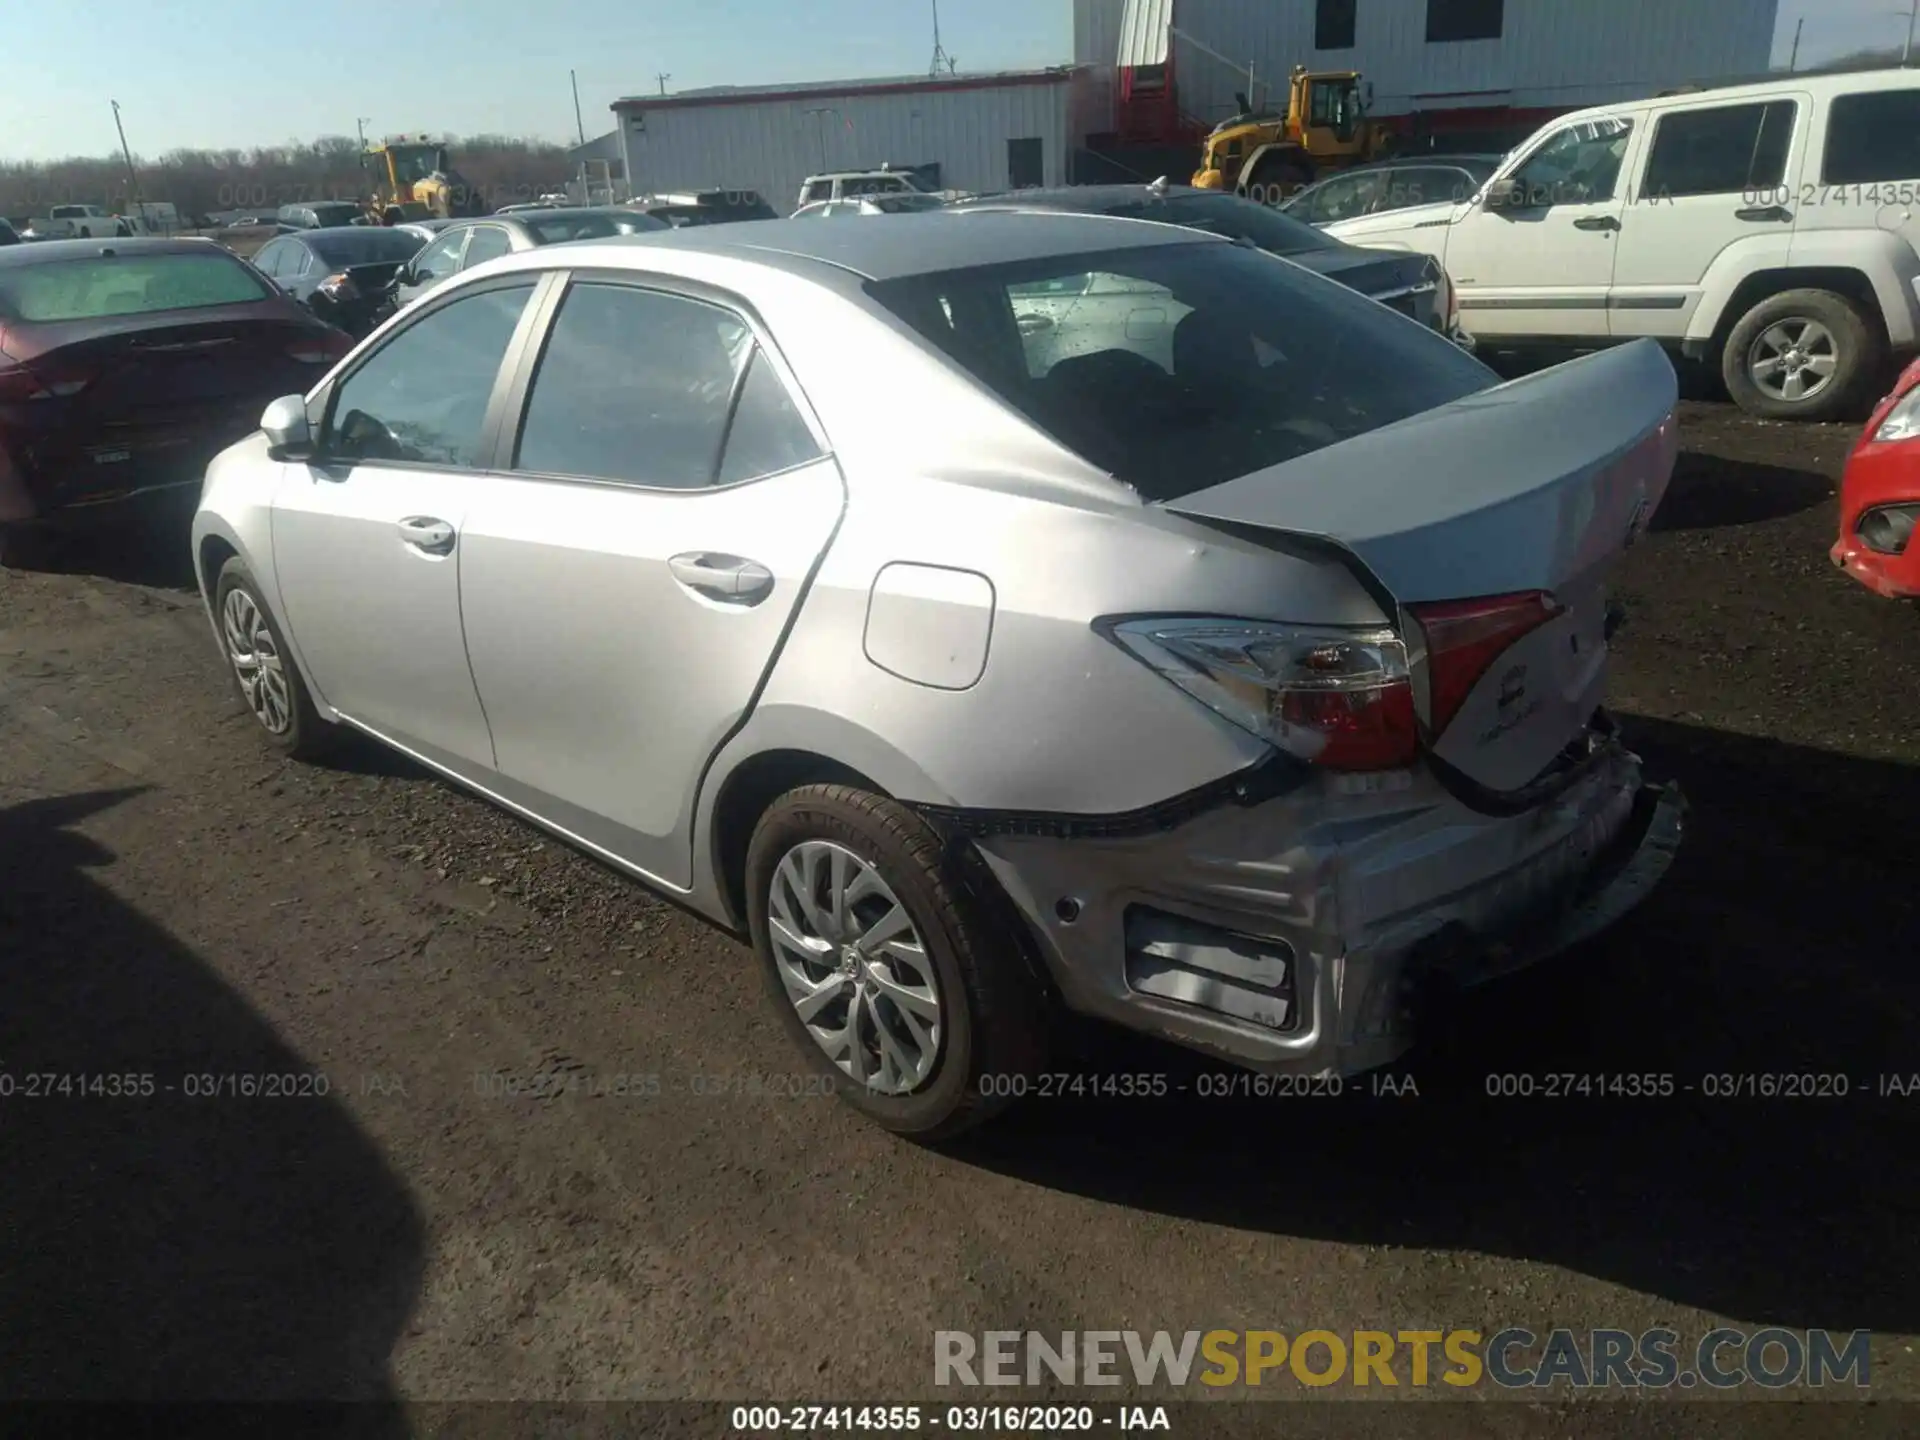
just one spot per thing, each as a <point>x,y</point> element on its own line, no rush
<point>415,173</point>
<point>1269,156</point>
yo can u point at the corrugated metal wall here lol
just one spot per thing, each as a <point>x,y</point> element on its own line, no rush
<point>772,146</point>
<point>1096,45</point>
<point>1551,52</point>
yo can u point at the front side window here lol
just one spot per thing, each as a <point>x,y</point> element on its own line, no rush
<point>98,288</point>
<point>1871,137</point>
<point>440,259</point>
<point>819,190</point>
<point>1579,165</point>
<point>638,387</point>
<point>1727,150</point>
<point>1216,363</point>
<point>422,397</point>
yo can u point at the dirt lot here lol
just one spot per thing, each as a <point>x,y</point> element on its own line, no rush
<point>175,903</point>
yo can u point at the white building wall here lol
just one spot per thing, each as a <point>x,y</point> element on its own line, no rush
<point>1551,52</point>
<point>772,145</point>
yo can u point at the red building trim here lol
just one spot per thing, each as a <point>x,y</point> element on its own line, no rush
<point>641,104</point>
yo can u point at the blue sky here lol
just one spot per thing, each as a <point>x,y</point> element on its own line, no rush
<point>219,73</point>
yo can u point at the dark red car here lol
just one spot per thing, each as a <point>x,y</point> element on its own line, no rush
<point>1880,496</point>
<point>127,365</point>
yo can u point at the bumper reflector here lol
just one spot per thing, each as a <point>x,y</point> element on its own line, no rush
<point>1245,976</point>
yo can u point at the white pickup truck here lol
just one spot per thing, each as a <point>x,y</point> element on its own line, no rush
<point>77,222</point>
<point>1768,229</point>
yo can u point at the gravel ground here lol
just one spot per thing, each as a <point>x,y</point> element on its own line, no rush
<point>176,903</point>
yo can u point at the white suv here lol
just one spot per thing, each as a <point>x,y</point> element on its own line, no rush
<point>1770,228</point>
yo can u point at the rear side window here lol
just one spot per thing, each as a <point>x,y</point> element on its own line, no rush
<point>561,228</point>
<point>1178,367</point>
<point>644,388</point>
<point>489,242</point>
<point>1872,136</point>
<point>1727,150</point>
<point>101,288</point>
<point>819,190</point>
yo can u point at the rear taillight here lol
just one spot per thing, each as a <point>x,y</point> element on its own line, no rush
<point>339,287</point>
<point>1465,637</point>
<point>320,349</point>
<point>1340,698</point>
<point>43,382</point>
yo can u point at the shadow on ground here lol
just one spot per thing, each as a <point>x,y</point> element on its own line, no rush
<point>1784,940</point>
<point>164,1246</point>
<point>140,543</point>
<point>1711,491</point>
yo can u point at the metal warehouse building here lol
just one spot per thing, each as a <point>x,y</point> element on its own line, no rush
<point>1419,55</point>
<point>985,132</point>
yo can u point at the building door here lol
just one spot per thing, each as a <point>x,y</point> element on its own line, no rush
<point>1026,169</point>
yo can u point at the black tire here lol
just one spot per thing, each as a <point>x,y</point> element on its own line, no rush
<point>1276,178</point>
<point>305,735</point>
<point>994,1009</point>
<point>1857,346</point>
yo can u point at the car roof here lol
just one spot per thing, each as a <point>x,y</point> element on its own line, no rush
<point>908,245</point>
<point>126,245</point>
<point>1088,198</point>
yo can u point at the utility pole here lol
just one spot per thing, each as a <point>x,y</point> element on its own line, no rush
<point>360,128</point>
<point>940,56</point>
<point>133,178</point>
<point>1793,60</point>
<point>579,124</point>
<point>1913,14</point>
<point>820,113</point>
<point>663,78</point>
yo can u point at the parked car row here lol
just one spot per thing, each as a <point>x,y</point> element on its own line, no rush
<point>1766,229</point>
<point>1338,602</point>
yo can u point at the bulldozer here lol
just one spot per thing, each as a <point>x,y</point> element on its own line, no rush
<point>1267,156</point>
<point>415,173</point>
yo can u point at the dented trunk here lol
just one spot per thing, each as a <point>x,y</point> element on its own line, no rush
<point>1525,494</point>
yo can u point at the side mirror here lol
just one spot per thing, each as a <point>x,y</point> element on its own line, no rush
<point>289,436</point>
<point>1502,194</point>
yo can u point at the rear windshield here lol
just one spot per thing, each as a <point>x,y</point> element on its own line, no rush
<point>97,288</point>
<point>554,229</point>
<point>340,214</point>
<point>901,203</point>
<point>1179,367</point>
<point>1232,216</point>
<point>364,246</point>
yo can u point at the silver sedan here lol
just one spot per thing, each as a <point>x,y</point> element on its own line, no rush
<point>1225,658</point>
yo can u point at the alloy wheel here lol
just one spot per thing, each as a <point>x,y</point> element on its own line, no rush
<point>1793,359</point>
<point>854,967</point>
<point>256,661</point>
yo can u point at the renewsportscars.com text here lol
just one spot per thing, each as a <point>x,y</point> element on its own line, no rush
<point>1513,1358</point>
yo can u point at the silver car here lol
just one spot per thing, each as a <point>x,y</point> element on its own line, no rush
<point>1237,678</point>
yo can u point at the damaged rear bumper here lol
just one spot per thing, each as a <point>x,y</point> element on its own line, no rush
<point>1305,935</point>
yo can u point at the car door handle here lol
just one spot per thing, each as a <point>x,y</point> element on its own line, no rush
<point>1597,222</point>
<point>1764,212</point>
<point>423,532</point>
<point>726,578</point>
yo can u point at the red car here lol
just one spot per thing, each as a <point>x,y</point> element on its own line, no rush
<point>127,365</point>
<point>1880,496</point>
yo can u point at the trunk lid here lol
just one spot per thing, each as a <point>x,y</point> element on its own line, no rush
<point>158,363</point>
<point>1537,485</point>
